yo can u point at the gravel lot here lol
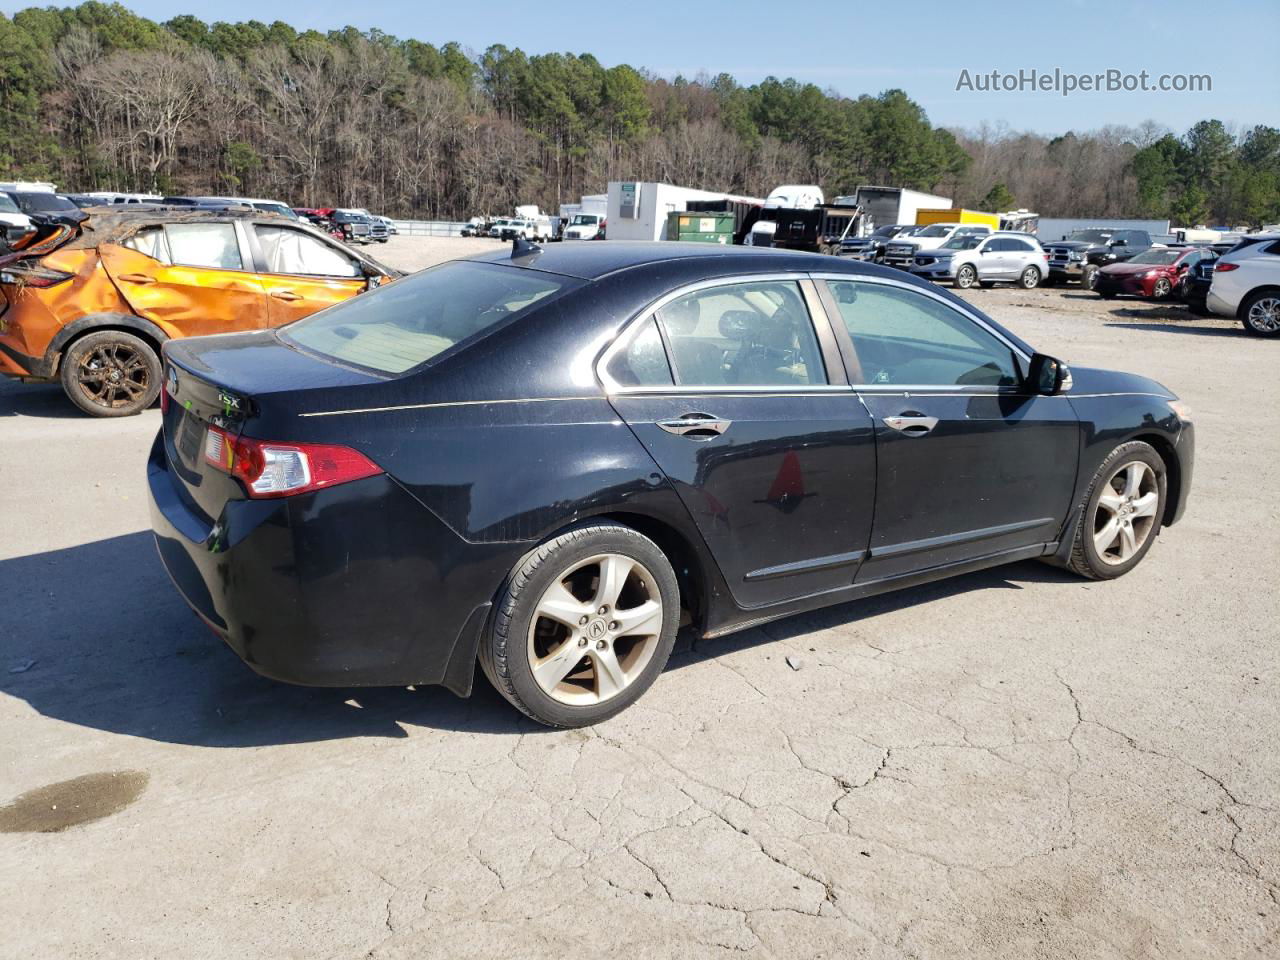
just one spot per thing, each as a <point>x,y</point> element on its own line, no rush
<point>1011,764</point>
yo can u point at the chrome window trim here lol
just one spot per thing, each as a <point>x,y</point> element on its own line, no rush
<point>632,325</point>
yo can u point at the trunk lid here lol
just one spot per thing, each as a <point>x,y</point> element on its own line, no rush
<point>227,383</point>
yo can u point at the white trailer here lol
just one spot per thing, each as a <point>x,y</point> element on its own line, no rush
<point>884,206</point>
<point>638,210</point>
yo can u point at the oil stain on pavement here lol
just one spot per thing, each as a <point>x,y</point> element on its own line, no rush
<point>57,806</point>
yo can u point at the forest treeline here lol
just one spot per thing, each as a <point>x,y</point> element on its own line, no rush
<point>96,97</point>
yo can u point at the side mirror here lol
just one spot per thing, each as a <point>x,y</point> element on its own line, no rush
<point>1049,376</point>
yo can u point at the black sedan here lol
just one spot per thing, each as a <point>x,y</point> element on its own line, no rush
<point>544,461</point>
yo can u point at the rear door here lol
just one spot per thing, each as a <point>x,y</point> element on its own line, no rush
<point>743,403</point>
<point>196,278</point>
<point>302,273</point>
<point>969,462</point>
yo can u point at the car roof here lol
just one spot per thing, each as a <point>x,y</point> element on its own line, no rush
<point>595,260</point>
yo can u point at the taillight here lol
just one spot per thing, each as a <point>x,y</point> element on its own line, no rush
<point>1225,267</point>
<point>29,274</point>
<point>284,469</point>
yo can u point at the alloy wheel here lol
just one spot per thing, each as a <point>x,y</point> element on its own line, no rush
<point>113,375</point>
<point>965,277</point>
<point>1030,278</point>
<point>1264,315</point>
<point>595,629</point>
<point>1162,288</point>
<point>1126,513</point>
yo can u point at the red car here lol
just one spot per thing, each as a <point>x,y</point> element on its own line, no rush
<point>1156,274</point>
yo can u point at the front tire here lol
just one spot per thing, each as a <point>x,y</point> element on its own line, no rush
<point>110,374</point>
<point>1120,517</point>
<point>583,625</point>
<point>1260,314</point>
<point>966,277</point>
<point>1089,276</point>
<point>1162,290</point>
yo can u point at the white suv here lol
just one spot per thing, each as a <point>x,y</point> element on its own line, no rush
<point>902,251</point>
<point>968,259</point>
<point>1246,285</point>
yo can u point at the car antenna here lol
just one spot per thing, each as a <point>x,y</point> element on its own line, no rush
<point>520,247</point>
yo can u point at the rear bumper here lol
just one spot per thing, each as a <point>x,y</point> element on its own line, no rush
<point>353,585</point>
<point>1216,304</point>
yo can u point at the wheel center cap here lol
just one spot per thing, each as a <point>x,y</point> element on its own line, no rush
<point>597,628</point>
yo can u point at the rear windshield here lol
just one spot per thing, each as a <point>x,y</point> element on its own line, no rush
<point>406,323</point>
<point>43,202</point>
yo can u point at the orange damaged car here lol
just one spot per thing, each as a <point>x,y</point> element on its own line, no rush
<point>90,305</point>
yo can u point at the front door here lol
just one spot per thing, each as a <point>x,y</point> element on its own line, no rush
<point>302,273</point>
<point>727,388</point>
<point>191,278</point>
<point>969,462</point>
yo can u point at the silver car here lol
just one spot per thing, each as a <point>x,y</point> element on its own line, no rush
<point>1246,284</point>
<point>968,260</point>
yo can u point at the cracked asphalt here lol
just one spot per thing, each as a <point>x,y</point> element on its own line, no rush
<point>1012,764</point>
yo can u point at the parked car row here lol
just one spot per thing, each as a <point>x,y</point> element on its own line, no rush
<point>1238,279</point>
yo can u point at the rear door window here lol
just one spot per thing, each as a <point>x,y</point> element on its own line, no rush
<point>404,324</point>
<point>296,253</point>
<point>743,334</point>
<point>152,242</point>
<point>211,245</point>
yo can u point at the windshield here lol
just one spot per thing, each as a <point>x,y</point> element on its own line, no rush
<point>44,202</point>
<point>967,242</point>
<point>584,219</point>
<point>1159,257</point>
<point>279,208</point>
<point>888,231</point>
<point>1091,236</point>
<point>936,230</point>
<point>7,205</point>
<point>406,323</point>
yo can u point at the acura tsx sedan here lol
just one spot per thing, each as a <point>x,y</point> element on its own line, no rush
<point>546,461</point>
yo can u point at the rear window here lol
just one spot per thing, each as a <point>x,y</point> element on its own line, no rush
<point>404,324</point>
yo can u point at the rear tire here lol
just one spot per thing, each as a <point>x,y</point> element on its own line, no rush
<point>110,374</point>
<point>583,625</point>
<point>1260,313</point>
<point>1121,514</point>
<point>1030,278</point>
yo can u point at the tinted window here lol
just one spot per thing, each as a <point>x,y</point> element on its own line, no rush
<point>294,252</point>
<point>7,205</point>
<point>908,338</point>
<point>44,203</point>
<point>742,334</point>
<point>643,362</point>
<point>406,323</point>
<point>1021,246</point>
<point>998,245</point>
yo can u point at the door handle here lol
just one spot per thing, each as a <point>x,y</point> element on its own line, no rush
<point>286,295</point>
<point>699,426</point>
<point>912,425</point>
<point>137,278</point>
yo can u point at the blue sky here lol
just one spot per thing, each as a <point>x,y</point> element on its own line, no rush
<point>919,46</point>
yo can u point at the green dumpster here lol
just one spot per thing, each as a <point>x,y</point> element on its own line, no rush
<point>700,227</point>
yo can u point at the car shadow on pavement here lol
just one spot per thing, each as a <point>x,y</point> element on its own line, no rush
<point>44,400</point>
<point>1010,577</point>
<point>1183,327</point>
<point>97,636</point>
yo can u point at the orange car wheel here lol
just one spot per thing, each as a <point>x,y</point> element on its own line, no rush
<point>111,374</point>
